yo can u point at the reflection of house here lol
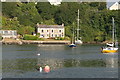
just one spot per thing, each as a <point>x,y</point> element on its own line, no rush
<point>8,33</point>
<point>50,31</point>
<point>115,6</point>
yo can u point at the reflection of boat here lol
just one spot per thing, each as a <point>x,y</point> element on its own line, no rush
<point>78,39</point>
<point>112,62</point>
<point>72,44</point>
<point>113,46</point>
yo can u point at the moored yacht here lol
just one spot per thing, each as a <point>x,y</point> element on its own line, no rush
<point>113,46</point>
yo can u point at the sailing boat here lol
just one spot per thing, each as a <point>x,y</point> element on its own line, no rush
<point>72,44</point>
<point>113,46</point>
<point>78,41</point>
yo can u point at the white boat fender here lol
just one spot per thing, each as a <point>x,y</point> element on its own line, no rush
<point>40,69</point>
<point>38,54</point>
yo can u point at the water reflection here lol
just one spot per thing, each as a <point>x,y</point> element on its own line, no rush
<point>53,63</point>
<point>50,47</point>
<point>59,63</point>
<point>112,60</point>
<point>19,65</point>
<point>60,58</point>
<point>28,64</point>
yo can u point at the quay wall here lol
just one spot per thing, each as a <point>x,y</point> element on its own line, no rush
<point>34,42</point>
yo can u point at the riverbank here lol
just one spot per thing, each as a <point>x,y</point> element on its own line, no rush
<point>47,41</point>
<point>11,41</point>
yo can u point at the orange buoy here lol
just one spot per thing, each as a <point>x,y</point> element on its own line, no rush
<point>47,69</point>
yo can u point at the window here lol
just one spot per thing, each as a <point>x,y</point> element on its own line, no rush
<point>42,35</point>
<point>6,32</point>
<point>59,30</point>
<point>3,32</point>
<point>52,30</point>
<point>59,35</point>
<point>11,32</point>
<point>62,34</point>
<point>15,33</point>
<point>42,30</point>
<point>52,35</point>
<point>56,35</point>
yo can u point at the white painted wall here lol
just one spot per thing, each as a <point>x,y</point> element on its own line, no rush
<point>115,6</point>
<point>49,33</point>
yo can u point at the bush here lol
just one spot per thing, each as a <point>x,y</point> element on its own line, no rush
<point>1,38</point>
<point>67,38</point>
<point>30,37</point>
<point>59,38</point>
<point>40,39</point>
<point>38,34</point>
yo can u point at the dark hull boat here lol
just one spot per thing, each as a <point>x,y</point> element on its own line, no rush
<point>72,45</point>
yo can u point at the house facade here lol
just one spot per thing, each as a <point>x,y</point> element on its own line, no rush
<point>8,33</point>
<point>115,6</point>
<point>51,31</point>
<point>55,2</point>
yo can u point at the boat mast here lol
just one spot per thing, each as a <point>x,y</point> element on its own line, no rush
<point>73,35</point>
<point>78,25</point>
<point>116,42</point>
<point>113,36</point>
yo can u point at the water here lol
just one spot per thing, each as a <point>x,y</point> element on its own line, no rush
<point>86,61</point>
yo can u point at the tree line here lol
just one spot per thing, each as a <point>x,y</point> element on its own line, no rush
<point>95,19</point>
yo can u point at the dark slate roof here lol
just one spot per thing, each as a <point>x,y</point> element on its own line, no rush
<point>50,26</point>
<point>111,3</point>
<point>119,2</point>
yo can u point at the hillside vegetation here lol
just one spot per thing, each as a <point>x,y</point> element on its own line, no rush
<point>95,19</point>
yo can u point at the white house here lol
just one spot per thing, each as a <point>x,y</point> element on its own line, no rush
<point>115,6</point>
<point>8,33</point>
<point>55,2</point>
<point>51,31</point>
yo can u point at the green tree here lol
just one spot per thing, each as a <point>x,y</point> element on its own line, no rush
<point>8,8</point>
<point>95,19</point>
<point>10,23</point>
<point>26,30</point>
<point>46,10</point>
<point>28,14</point>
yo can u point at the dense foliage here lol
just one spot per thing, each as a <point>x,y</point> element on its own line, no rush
<point>30,37</point>
<point>95,19</point>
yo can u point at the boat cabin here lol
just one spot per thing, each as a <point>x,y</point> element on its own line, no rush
<point>110,44</point>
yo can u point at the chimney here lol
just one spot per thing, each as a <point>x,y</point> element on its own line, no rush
<point>62,24</point>
<point>37,24</point>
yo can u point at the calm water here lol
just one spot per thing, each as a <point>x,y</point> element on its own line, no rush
<point>86,61</point>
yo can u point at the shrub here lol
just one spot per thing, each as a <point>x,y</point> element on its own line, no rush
<point>67,38</point>
<point>59,38</point>
<point>30,37</point>
<point>1,38</point>
<point>38,34</point>
<point>40,39</point>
